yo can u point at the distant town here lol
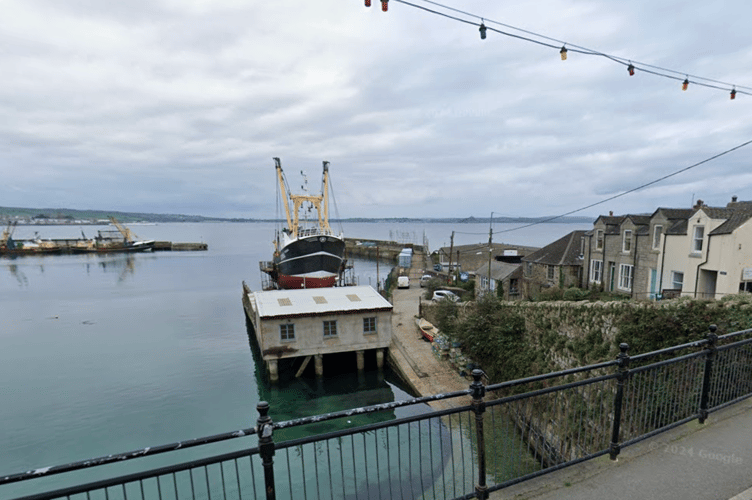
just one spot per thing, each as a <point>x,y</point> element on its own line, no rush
<point>63,216</point>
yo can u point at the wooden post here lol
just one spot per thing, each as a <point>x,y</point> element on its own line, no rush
<point>273,370</point>
<point>319,364</point>
<point>360,355</point>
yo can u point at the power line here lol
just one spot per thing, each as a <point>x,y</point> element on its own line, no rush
<point>633,189</point>
<point>564,47</point>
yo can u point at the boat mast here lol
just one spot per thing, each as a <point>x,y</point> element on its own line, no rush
<point>324,224</point>
<point>278,166</point>
<point>293,221</point>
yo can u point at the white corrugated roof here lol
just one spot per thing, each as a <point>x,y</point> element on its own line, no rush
<point>281,303</point>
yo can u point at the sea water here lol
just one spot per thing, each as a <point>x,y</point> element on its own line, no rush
<point>102,354</point>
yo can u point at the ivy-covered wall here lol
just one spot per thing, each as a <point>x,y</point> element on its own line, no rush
<point>517,339</point>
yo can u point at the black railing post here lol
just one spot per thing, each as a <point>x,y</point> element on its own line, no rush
<point>479,407</point>
<point>264,430</point>
<point>623,361</point>
<point>710,350</point>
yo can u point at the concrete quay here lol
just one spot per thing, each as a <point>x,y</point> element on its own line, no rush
<point>411,355</point>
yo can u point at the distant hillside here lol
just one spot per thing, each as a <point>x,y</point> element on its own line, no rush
<point>62,214</point>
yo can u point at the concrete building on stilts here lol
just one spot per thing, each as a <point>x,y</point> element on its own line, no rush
<point>313,322</point>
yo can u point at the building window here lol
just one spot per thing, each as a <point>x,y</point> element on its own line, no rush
<point>529,268</point>
<point>625,276</point>
<point>596,271</point>
<point>330,329</point>
<point>627,241</point>
<point>369,325</point>
<point>697,237</point>
<point>287,332</point>
<point>599,239</point>
<point>657,232</point>
<point>550,272</point>
<point>677,280</point>
<point>513,284</point>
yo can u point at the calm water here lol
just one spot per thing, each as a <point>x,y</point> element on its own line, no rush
<point>103,354</point>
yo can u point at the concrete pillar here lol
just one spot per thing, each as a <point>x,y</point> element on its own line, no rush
<point>361,360</point>
<point>318,360</point>
<point>273,370</point>
<point>380,358</point>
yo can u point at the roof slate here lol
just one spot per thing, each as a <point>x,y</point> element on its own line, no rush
<point>563,252</point>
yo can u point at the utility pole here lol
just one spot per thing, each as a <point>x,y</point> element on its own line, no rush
<point>490,249</point>
<point>451,249</point>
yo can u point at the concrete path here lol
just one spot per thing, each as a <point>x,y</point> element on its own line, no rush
<point>412,355</point>
<point>712,461</point>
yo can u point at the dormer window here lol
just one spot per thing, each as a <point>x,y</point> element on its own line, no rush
<point>697,237</point>
<point>599,239</point>
<point>657,232</point>
<point>627,241</point>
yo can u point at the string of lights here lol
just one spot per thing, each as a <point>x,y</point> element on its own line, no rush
<point>565,48</point>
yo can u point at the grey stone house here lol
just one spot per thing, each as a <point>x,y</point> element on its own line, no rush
<point>557,264</point>
<point>503,274</point>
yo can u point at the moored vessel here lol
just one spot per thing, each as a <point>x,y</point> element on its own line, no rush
<point>308,253</point>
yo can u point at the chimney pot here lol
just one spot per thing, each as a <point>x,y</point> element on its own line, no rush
<point>733,199</point>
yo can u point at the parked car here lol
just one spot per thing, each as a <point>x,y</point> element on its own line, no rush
<point>444,294</point>
<point>425,279</point>
<point>403,282</point>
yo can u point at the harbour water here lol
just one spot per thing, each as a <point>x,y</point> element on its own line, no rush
<point>109,353</point>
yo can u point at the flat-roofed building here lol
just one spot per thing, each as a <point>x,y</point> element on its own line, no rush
<point>312,322</point>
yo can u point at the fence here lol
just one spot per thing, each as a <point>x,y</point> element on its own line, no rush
<point>529,427</point>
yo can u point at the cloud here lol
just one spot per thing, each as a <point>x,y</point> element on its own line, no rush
<point>176,106</point>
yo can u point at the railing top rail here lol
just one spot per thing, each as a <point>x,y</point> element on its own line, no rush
<point>668,350</point>
<point>148,451</point>
<point>368,409</point>
<point>735,334</point>
<point>546,376</point>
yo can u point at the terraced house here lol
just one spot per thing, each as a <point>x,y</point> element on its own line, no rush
<point>703,252</point>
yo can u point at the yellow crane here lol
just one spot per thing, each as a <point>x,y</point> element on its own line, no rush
<point>129,235</point>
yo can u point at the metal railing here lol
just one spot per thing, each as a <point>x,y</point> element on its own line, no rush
<point>496,436</point>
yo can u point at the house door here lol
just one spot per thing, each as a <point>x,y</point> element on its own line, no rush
<point>706,286</point>
<point>611,275</point>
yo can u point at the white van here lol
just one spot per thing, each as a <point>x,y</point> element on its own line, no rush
<point>403,282</point>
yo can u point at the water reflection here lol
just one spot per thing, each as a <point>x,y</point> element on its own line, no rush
<point>19,275</point>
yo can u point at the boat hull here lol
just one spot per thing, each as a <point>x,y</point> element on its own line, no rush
<point>310,262</point>
<point>141,246</point>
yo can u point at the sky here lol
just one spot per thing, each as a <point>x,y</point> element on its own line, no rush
<point>179,106</point>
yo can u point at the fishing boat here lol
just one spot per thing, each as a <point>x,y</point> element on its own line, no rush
<point>307,252</point>
<point>118,241</point>
<point>12,247</point>
<point>427,330</point>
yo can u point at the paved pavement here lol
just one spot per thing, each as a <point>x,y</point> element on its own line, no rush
<point>711,461</point>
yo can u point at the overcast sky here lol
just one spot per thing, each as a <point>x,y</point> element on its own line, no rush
<point>178,106</point>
